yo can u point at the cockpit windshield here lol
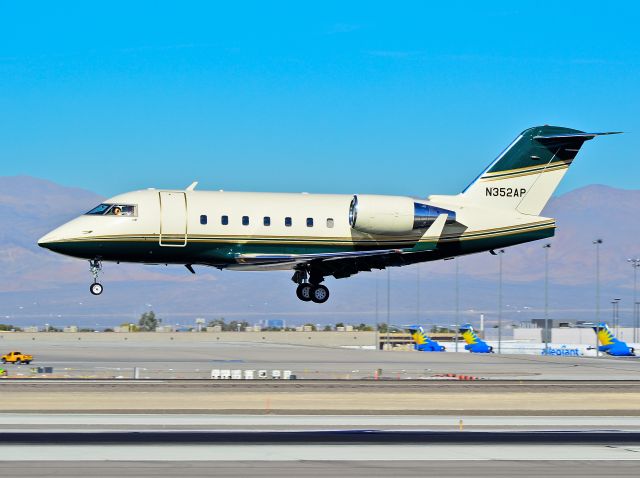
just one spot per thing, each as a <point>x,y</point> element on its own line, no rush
<point>113,210</point>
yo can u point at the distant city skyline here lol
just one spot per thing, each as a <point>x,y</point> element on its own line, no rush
<point>415,98</point>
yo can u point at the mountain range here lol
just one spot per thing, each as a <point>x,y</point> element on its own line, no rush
<point>37,286</point>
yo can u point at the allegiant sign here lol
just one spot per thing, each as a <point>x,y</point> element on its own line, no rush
<point>562,351</point>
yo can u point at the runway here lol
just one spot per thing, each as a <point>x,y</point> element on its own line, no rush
<point>526,416</point>
<point>150,422</point>
<point>134,445</point>
<point>306,454</point>
<point>322,469</point>
<point>300,440</point>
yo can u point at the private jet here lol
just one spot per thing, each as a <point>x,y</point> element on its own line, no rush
<point>321,235</point>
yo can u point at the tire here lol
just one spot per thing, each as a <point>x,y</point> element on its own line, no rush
<point>4,360</point>
<point>319,294</point>
<point>95,288</point>
<point>303,291</point>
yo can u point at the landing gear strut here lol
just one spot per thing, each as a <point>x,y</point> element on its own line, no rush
<point>310,290</point>
<point>95,266</point>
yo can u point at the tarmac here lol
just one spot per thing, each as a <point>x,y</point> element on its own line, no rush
<point>312,453</point>
<point>160,357</point>
<point>41,424</point>
<point>323,468</point>
<point>523,416</point>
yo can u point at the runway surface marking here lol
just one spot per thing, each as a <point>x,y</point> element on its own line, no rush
<point>251,422</point>
<point>403,452</point>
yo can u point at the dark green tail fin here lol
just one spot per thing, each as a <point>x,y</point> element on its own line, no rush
<point>527,173</point>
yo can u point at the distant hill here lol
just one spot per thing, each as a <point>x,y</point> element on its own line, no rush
<point>582,215</point>
<point>37,286</point>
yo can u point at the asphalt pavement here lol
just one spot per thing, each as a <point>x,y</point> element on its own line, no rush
<point>321,469</point>
<point>121,354</point>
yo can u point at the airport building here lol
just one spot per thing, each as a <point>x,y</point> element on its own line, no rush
<point>566,332</point>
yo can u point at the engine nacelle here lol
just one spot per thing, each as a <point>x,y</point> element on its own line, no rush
<point>392,215</point>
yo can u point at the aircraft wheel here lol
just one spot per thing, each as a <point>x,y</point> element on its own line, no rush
<point>304,292</point>
<point>319,294</point>
<point>96,288</point>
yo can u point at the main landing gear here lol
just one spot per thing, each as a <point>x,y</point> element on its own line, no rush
<point>95,266</point>
<point>312,290</point>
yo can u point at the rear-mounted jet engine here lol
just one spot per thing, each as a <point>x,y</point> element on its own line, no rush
<point>391,215</point>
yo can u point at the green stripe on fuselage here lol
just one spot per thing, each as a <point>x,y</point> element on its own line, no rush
<point>224,253</point>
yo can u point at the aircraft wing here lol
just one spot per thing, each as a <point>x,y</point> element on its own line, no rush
<point>344,264</point>
<point>328,262</point>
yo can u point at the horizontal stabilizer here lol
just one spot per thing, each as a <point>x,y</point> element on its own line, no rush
<point>581,136</point>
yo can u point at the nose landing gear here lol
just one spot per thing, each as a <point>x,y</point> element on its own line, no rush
<point>96,288</point>
<point>95,266</point>
<point>312,290</point>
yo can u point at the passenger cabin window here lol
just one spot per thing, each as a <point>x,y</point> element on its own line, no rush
<point>224,220</point>
<point>203,219</point>
<point>330,222</point>
<point>114,210</point>
<point>266,221</point>
<point>287,221</point>
<point>309,222</point>
<point>245,220</point>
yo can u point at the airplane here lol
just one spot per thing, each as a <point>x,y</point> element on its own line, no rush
<point>610,344</point>
<point>474,343</point>
<point>421,340</point>
<point>321,235</point>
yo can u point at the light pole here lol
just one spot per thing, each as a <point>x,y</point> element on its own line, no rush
<point>377,301</point>
<point>418,293</point>
<point>637,315</point>
<point>597,243</point>
<point>500,253</point>
<point>635,263</point>
<point>615,304</point>
<point>456,328</point>
<point>457,294</point>
<point>547,337</point>
<point>388,305</point>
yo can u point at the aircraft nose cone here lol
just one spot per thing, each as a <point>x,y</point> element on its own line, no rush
<point>54,240</point>
<point>45,241</point>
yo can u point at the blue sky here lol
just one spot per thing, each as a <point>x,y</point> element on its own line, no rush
<point>351,97</point>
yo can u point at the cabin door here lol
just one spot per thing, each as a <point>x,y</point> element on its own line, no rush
<point>173,219</point>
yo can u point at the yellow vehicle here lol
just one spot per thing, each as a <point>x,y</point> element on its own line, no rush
<point>17,357</point>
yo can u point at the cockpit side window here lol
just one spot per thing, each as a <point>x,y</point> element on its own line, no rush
<point>128,210</point>
<point>99,210</point>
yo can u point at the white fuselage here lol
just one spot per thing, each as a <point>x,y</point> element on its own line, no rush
<point>225,228</point>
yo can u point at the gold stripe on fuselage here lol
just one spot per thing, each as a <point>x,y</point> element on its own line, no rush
<point>317,240</point>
